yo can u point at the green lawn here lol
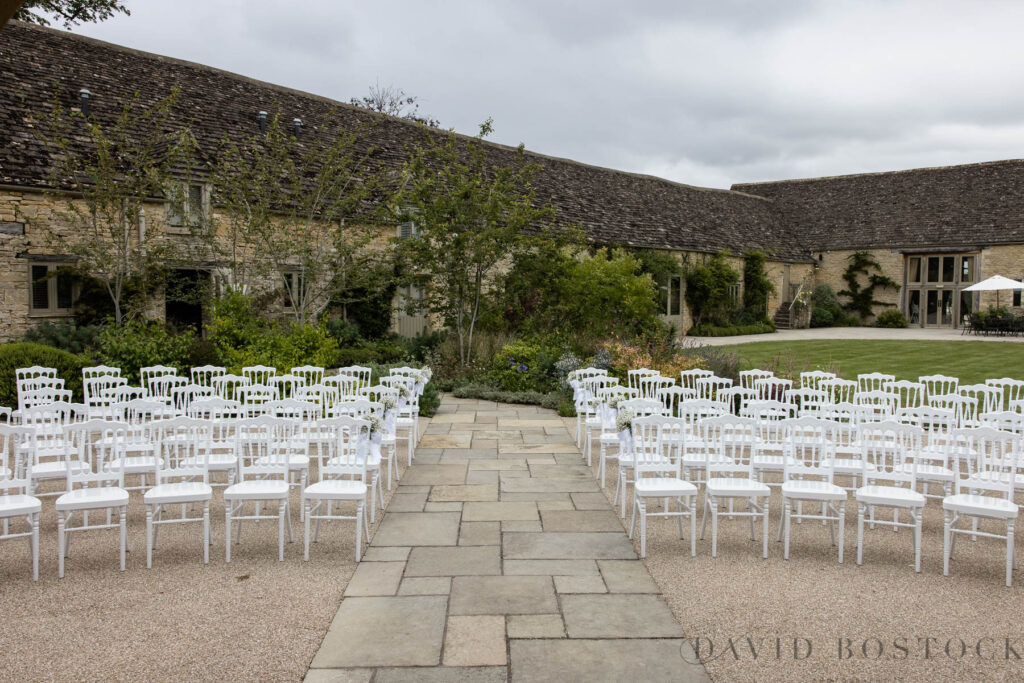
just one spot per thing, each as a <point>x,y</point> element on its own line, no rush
<point>972,362</point>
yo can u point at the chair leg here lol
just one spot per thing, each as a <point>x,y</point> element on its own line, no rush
<point>206,532</point>
<point>764,529</point>
<point>122,523</point>
<point>916,514</point>
<point>704,517</point>
<point>693,526</point>
<point>1009,553</point>
<point>149,537</point>
<point>714,531</point>
<point>946,534</point>
<point>643,527</point>
<point>61,543</point>
<point>359,531</point>
<point>860,534</point>
<point>787,518</point>
<point>632,522</point>
<point>842,525</point>
<point>282,510</point>
<point>288,519</point>
<point>35,546</point>
<point>305,551</point>
<point>227,531</point>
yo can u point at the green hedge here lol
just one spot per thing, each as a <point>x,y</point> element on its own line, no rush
<point>708,330</point>
<point>489,393</point>
<point>22,355</point>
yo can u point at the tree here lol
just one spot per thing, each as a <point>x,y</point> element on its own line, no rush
<point>470,218</point>
<point>394,102</point>
<point>756,285</point>
<point>707,289</point>
<point>69,12</point>
<point>102,175</point>
<point>862,297</point>
<point>299,213</point>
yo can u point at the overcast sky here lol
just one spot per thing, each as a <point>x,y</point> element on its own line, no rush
<point>706,93</point>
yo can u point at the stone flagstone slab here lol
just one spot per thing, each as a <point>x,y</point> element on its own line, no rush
<point>455,561</point>
<point>375,578</point>
<point>418,528</point>
<point>444,674</point>
<point>558,661</point>
<point>502,595</point>
<point>470,492</point>
<point>544,446</point>
<point>431,475</point>
<point>538,485</point>
<point>446,440</point>
<point>567,546</point>
<point>580,520</point>
<point>475,641</point>
<point>619,616</point>
<point>499,512</point>
<point>369,632</point>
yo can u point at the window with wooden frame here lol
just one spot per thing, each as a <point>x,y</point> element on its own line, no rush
<point>187,206</point>
<point>52,292</point>
<point>292,287</point>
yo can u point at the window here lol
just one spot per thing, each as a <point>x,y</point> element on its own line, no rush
<point>914,269</point>
<point>407,230</point>
<point>1016,297</point>
<point>52,292</point>
<point>293,285</point>
<point>734,293</point>
<point>948,268</point>
<point>674,295</point>
<point>187,207</point>
<point>966,269</point>
<point>933,269</point>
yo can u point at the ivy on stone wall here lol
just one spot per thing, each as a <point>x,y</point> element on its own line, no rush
<point>862,297</point>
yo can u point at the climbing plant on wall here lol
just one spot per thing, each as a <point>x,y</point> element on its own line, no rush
<point>862,296</point>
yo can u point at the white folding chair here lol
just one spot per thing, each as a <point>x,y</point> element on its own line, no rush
<point>16,501</point>
<point>873,381</point>
<point>657,476</point>
<point>342,473</point>
<point>1013,390</point>
<point>733,445</point>
<point>637,408</point>
<point>839,390</point>
<point>311,374</point>
<point>908,394</point>
<point>223,416</point>
<point>99,485</point>
<point>993,460</point>
<point>259,374</point>
<point>807,477</point>
<point>182,478</point>
<point>204,375</point>
<point>813,378</point>
<point>892,449</point>
<point>688,378</point>
<point>708,387</point>
<point>749,378</point>
<point>152,371</point>
<point>938,385</point>
<point>262,452</point>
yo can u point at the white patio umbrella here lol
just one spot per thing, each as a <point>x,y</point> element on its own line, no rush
<point>996,283</point>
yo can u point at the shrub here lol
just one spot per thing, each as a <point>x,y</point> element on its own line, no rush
<point>66,335</point>
<point>709,330</point>
<point>138,343</point>
<point>344,331</point>
<point>722,363</point>
<point>429,400</point>
<point>486,392</point>
<point>707,288</point>
<point>23,355</point>
<point>891,318</point>
<point>521,366</point>
<point>821,317</point>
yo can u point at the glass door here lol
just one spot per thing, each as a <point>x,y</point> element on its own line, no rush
<point>931,314</point>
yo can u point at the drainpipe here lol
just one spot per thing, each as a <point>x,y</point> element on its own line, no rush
<point>142,230</point>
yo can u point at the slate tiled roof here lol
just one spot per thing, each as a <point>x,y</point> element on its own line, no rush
<point>612,206</point>
<point>951,206</point>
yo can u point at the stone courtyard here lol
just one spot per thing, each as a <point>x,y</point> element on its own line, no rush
<point>499,558</point>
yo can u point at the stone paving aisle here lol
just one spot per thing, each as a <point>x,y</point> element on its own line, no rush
<point>500,559</point>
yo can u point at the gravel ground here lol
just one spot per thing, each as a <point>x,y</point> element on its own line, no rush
<point>810,596</point>
<point>253,619</point>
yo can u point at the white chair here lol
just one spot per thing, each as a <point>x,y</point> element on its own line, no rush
<point>262,452</point>
<point>227,385</point>
<point>634,378</point>
<point>695,451</point>
<point>586,413</point>
<point>287,385</point>
<point>882,403</point>
<point>98,371</point>
<point>204,375</point>
<point>1013,390</point>
<point>650,385</point>
<point>139,444</point>
<point>989,398</point>
<point>342,473</point>
<point>708,387</point>
<point>814,378</point>
<point>848,457</point>
<point>1003,420</point>
<point>306,415</point>
<point>749,378</point>
<point>223,416</point>
<point>734,399</point>
<point>992,459</point>
<point>657,476</point>
<point>908,394</point>
<point>934,464</point>
<point>363,374</point>
<point>807,477</point>
<point>44,445</point>
<point>938,385</point>
<point>769,416</point>
<point>182,396</point>
<point>255,397</point>
<point>311,374</point>
<point>873,381</point>
<point>152,371</point>
<point>673,396</point>
<point>34,371</point>
<point>637,408</point>
<point>97,486</point>
<point>889,447</point>
<point>182,478</point>
<point>733,444</point>
<point>688,378</point>
<point>15,500</point>
<point>772,388</point>
<point>807,401</point>
<point>965,408</point>
<point>839,390</point>
<point>258,374</point>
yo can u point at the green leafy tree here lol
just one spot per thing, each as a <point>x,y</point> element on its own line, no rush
<point>707,289</point>
<point>756,285</point>
<point>69,12</point>
<point>103,174</point>
<point>471,217</point>
<point>862,296</point>
<point>298,213</point>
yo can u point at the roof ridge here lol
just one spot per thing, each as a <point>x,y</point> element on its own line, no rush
<point>948,167</point>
